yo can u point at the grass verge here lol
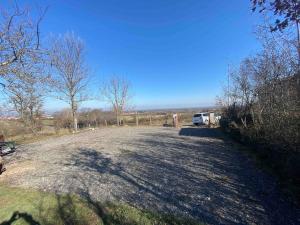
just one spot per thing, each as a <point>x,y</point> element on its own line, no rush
<point>23,206</point>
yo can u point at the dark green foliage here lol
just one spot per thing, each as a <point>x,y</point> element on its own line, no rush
<point>287,11</point>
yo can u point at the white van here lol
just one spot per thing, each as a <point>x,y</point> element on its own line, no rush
<point>200,118</point>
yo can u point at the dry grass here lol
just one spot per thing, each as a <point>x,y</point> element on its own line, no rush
<point>14,130</point>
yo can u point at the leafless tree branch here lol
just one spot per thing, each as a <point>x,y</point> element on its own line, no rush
<point>70,76</point>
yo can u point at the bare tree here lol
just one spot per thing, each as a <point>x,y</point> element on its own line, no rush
<point>25,90</point>
<point>266,94</point>
<point>19,36</point>
<point>117,93</point>
<point>70,72</point>
<point>22,62</point>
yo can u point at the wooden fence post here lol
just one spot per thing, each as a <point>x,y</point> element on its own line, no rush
<point>166,118</point>
<point>137,119</point>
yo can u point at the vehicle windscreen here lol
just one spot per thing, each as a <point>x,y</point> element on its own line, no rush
<point>197,115</point>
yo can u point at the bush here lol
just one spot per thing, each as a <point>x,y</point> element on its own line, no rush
<point>63,119</point>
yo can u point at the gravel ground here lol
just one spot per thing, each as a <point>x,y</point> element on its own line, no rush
<point>191,172</point>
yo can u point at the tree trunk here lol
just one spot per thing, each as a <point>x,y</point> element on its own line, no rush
<point>75,123</point>
<point>118,122</point>
<point>74,109</point>
<point>137,119</point>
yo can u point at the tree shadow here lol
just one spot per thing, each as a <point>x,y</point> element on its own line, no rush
<point>20,215</point>
<point>200,132</point>
<point>146,183</point>
<point>66,210</point>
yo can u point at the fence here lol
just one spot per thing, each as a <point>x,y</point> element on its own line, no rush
<point>155,119</point>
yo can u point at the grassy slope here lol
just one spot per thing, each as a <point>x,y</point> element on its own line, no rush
<point>24,206</point>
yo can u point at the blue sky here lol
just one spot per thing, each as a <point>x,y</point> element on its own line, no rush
<point>174,52</point>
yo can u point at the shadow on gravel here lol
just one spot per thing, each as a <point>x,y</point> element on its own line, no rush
<point>200,132</point>
<point>195,178</point>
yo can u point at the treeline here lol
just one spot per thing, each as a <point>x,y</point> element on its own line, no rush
<point>86,118</point>
<point>94,118</point>
<point>261,100</point>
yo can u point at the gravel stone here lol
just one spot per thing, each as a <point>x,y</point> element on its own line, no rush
<point>192,172</point>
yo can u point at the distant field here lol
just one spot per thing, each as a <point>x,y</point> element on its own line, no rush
<point>156,119</point>
<point>14,130</point>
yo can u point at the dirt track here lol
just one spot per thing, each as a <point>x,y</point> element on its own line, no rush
<point>190,172</point>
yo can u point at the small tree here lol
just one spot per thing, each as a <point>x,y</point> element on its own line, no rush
<point>117,93</point>
<point>25,90</point>
<point>70,71</point>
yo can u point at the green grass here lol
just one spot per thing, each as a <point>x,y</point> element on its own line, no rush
<point>23,206</point>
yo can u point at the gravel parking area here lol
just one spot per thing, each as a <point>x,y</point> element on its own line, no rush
<point>189,171</point>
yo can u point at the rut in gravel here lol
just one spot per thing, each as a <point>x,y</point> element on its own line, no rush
<point>191,172</point>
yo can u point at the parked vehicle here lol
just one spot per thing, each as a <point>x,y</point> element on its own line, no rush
<point>200,118</point>
<point>6,147</point>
